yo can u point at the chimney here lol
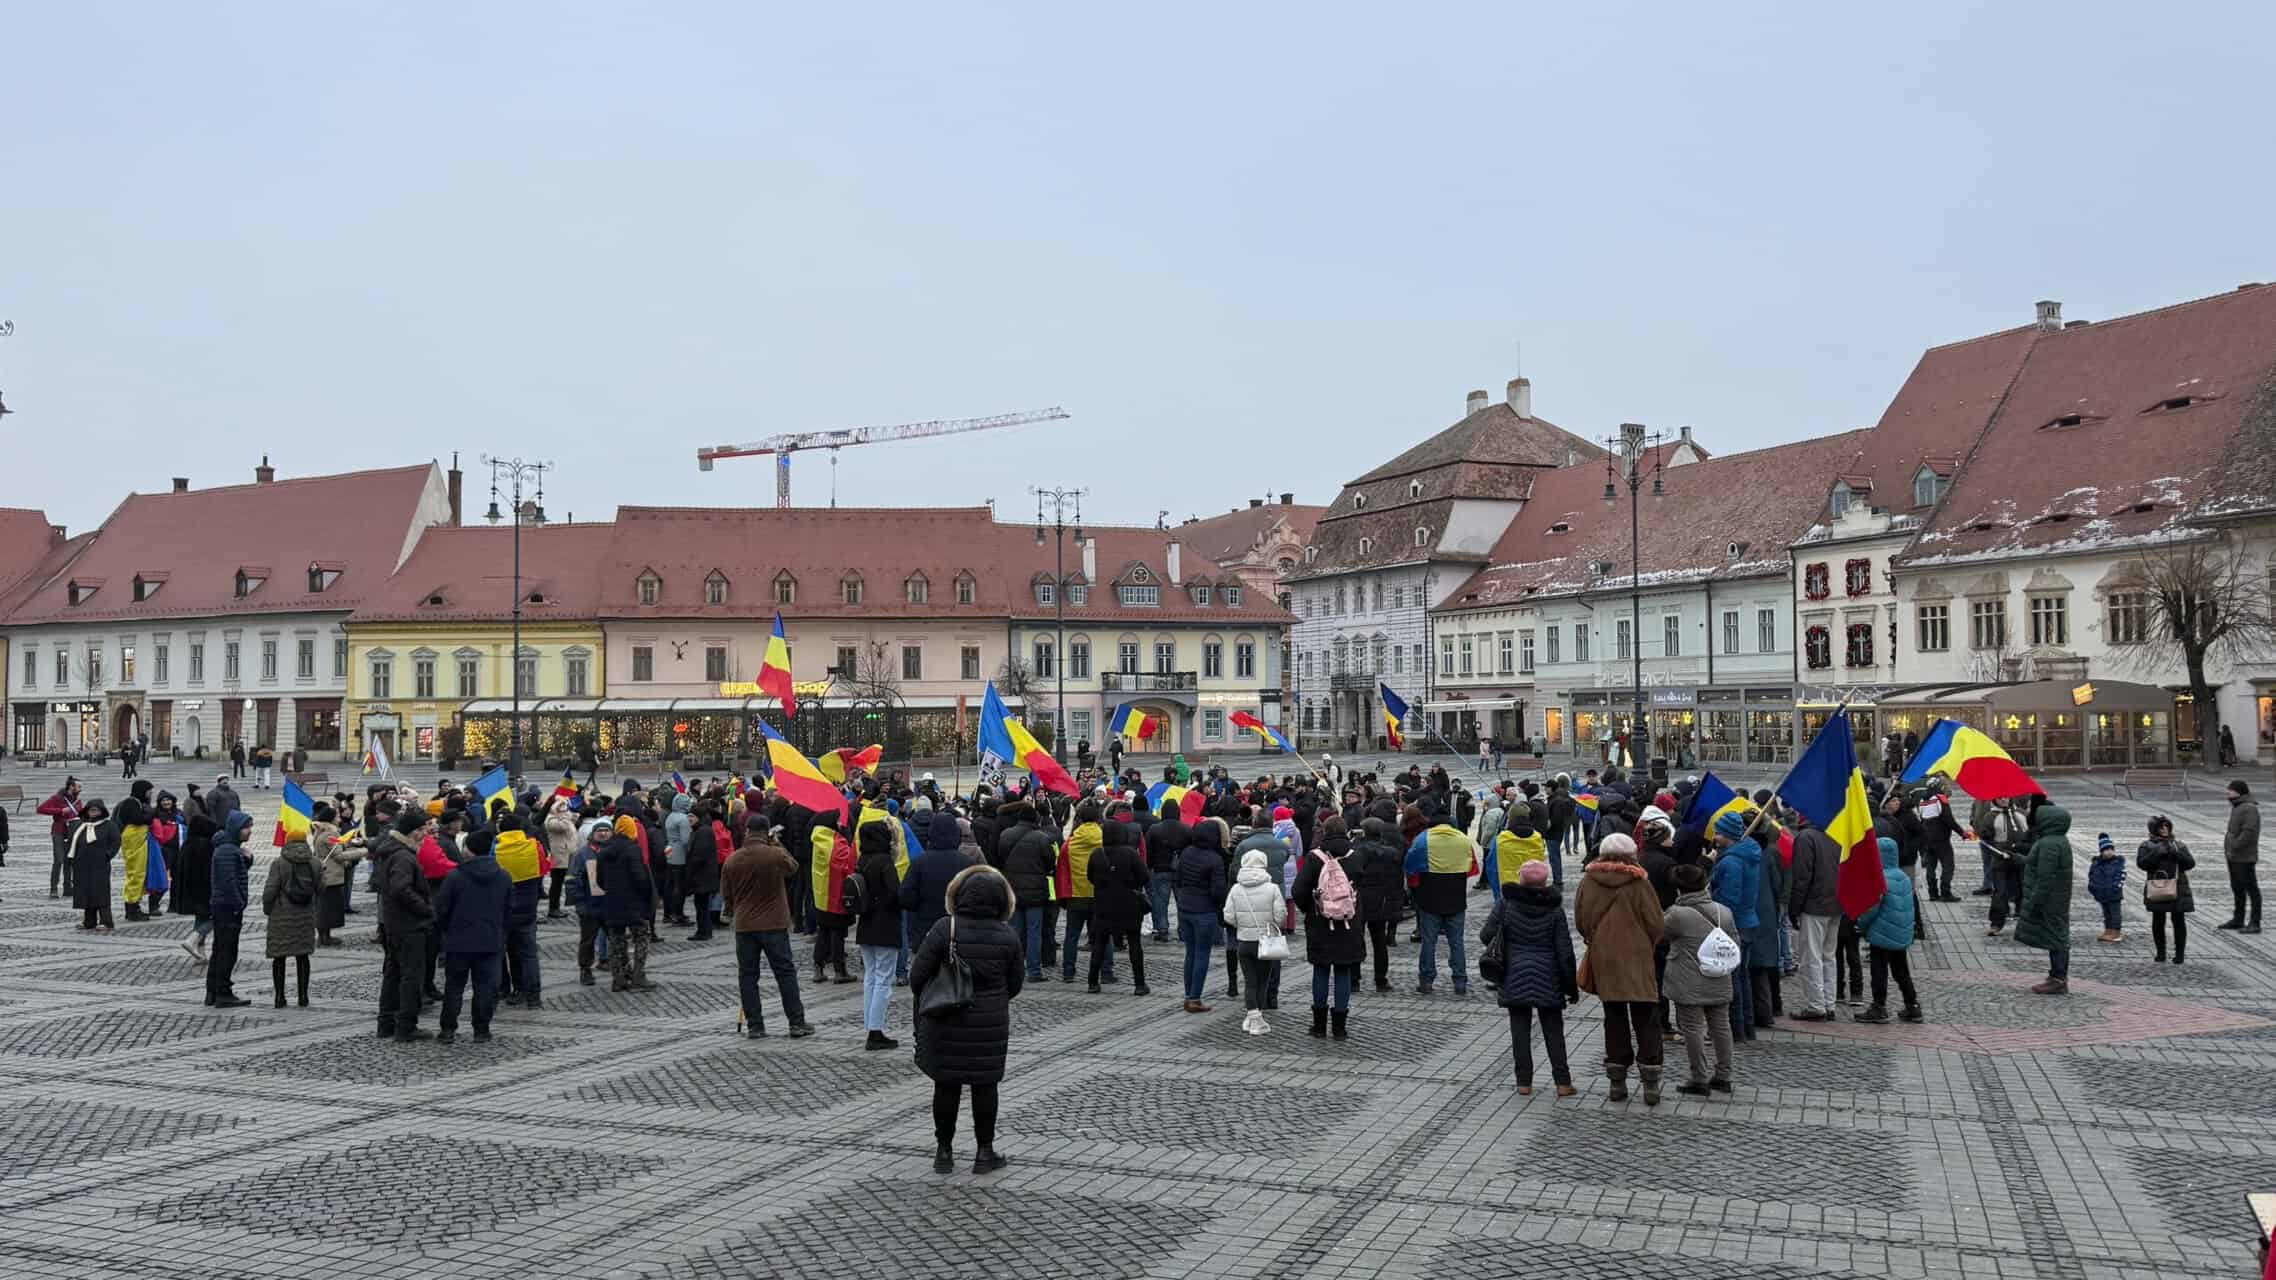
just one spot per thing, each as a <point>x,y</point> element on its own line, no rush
<point>1175,576</point>
<point>1476,402</point>
<point>1256,502</point>
<point>181,484</point>
<point>57,536</point>
<point>1521,396</point>
<point>1090,560</point>
<point>457,488</point>
<point>264,474</point>
<point>2050,315</point>
<point>1288,499</point>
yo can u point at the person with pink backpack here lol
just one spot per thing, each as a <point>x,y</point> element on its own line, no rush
<point>1335,933</point>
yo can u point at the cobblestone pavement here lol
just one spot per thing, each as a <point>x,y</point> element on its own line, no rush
<point>2113,1133</point>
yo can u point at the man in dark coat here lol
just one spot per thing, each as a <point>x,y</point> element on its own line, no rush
<point>221,801</point>
<point>2045,918</point>
<point>94,842</point>
<point>968,1047</point>
<point>470,914</point>
<point>924,893</point>
<point>227,896</point>
<point>1382,881</point>
<point>1028,859</point>
<point>1163,841</point>
<point>756,882</point>
<point>406,916</point>
<point>2240,846</point>
<point>1119,879</point>
<point>1813,907</point>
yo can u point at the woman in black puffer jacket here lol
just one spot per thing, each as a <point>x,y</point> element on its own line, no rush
<point>1119,885</point>
<point>1164,841</point>
<point>1538,972</point>
<point>968,1047</point>
<point>1333,947</point>
<point>1382,877</point>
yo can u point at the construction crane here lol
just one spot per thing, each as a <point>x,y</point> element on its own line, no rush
<point>783,446</point>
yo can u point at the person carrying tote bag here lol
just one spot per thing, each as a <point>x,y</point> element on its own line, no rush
<point>1255,909</point>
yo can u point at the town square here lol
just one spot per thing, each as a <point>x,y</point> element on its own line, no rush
<point>987,641</point>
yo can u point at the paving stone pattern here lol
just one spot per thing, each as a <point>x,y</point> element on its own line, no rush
<point>2112,1133</point>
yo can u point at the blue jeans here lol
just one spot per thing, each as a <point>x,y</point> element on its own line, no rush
<point>1432,925</point>
<point>1158,896</point>
<point>1199,930</point>
<point>1569,837</point>
<point>521,960</point>
<point>772,946</point>
<point>876,984</point>
<point>2109,914</point>
<point>901,960</point>
<point>1342,975</point>
<point>1031,929</point>
<point>1079,919</point>
<point>2059,965</point>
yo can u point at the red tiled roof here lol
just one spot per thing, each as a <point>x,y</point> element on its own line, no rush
<point>1233,535</point>
<point>26,538</point>
<point>472,570</point>
<point>1760,499</point>
<point>1116,550</point>
<point>59,556</point>
<point>2130,467</point>
<point>1935,417</point>
<point>200,538</point>
<point>819,547</point>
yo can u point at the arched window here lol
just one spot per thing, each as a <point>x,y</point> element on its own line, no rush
<point>917,589</point>
<point>1414,488</point>
<point>785,588</point>
<point>849,589</point>
<point>715,588</point>
<point>1422,536</point>
<point>651,587</point>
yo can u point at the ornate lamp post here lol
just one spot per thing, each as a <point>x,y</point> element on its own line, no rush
<point>516,472</point>
<point>1059,501</point>
<point>1632,455</point>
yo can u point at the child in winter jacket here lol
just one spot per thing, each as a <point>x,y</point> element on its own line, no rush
<point>1887,926</point>
<point>2106,882</point>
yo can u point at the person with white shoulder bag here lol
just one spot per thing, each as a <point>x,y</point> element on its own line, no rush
<point>1255,910</point>
<point>1702,953</point>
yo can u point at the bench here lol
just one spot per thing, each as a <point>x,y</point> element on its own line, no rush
<point>15,793</point>
<point>2151,777</point>
<point>308,780</point>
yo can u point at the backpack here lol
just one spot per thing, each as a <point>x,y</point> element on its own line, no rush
<point>1718,955</point>
<point>299,885</point>
<point>1337,900</point>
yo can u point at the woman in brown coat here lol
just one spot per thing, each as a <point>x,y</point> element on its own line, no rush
<point>1618,914</point>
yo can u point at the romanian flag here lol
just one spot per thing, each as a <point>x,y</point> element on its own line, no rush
<point>567,788</point>
<point>1394,717</point>
<point>1584,807</point>
<point>796,777</point>
<point>1130,722</point>
<point>292,823</point>
<point>1972,761</point>
<point>774,673</point>
<point>1164,794</point>
<point>1006,738</point>
<point>835,765</point>
<point>1708,801</point>
<point>1829,789</point>
<point>1243,720</point>
<point>679,783</point>
<point>494,790</point>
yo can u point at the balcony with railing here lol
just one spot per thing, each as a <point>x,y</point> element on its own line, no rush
<point>1149,681</point>
<point>1343,681</point>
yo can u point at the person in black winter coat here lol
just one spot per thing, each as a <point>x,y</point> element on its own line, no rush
<point>1334,948</point>
<point>406,922</point>
<point>967,1047</point>
<point>227,897</point>
<point>1382,888</point>
<point>1119,883</point>
<point>470,919</point>
<point>1539,976</point>
<point>1028,857</point>
<point>877,927</point>
<point>1164,841</point>
<point>94,843</point>
<point>924,894</point>
<point>1937,826</point>
<point>1200,884</point>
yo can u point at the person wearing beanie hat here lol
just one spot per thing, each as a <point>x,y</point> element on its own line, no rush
<point>1702,1004</point>
<point>1736,882</point>
<point>2106,884</point>
<point>406,918</point>
<point>1618,914</point>
<point>471,929</point>
<point>1887,926</point>
<point>1539,977</point>
<point>2166,864</point>
<point>877,929</point>
<point>2240,845</point>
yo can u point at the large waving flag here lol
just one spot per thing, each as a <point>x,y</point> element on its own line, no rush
<point>1973,762</point>
<point>375,758</point>
<point>796,777</point>
<point>494,790</point>
<point>1394,717</point>
<point>1162,793</point>
<point>774,673</point>
<point>1585,807</point>
<point>835,765</point>
<point>292,823</point>
<point>567,788</point>
<point>1003,736</point>
<point>1243,720</point>
<point>1708,801</point>
<point>1130,722</point>
<point>1829,789</point>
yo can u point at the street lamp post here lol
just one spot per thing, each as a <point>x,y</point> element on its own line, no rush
<point>1059,500</point>
<point>1625,463</point>
<point>515,471</point>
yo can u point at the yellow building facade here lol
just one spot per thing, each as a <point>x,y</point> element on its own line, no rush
<point>407,682</point>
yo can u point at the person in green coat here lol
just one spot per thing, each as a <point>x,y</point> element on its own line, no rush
<point>2045,918</point>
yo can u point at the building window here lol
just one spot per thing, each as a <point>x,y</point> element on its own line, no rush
<point>1079,659</point>
<point>573,672</point>
<point>1525,653</point>
<point>1245,659</point>
<point>1079,725</point>
<point>1304,665</point>
<point>785,588</point>
<point>1621,639</point>
<point>158,656</point>
<point>1233,597</point>
<point>268,659</point>
<point>1126,657</point>
<point>2128,619</point>
<point>2050,620</point>
<point>1046,593</point>
<point>1859,652</point>
<point>1730,631</point>
<point>232,654</point>
<point>651,588</point>
<point>1840,501</point>
<point>912,662</point>
<point>248,583</point>
<point>849,589</point>
<point>306,657</point>
<point>1446,655</point>
<point>1213,659</point>
<point>1580,642</point>
<point>1816,582</point>
<point>1506,648</point>
<point>1046,659</point>
<point>62,668</point>
<point>1927,487</point>
<point>339,657</point>
<point>1766,631</point>
<point>1339,602</point>
<point>1987,624</point>
<point>1165,657</point>
<point>1147,597</point>
<point>32,667</point>
<point>918,589</point>
<point>969,667</point>
<point>715,588</point>
<point>126,664</point>
<point>469,673</point>
<point>1398,597</point>
<point>525,675</point>
<point>1467,654</point>
<point>1200,594</point>
<point>715,662</point>
<point>643,662</point>
<point>967,591</point>
<point>382,678</point>
<point>1857,577</point>
<point>197,662</point>
<point>1933,623</point>
<point>1213,724</point>
<point>1553,654</point>
<point>1671,636</point>
<point>848,662</point>
<point>1817,648</point>
<point>423,677</point>
<point>1078,593</point>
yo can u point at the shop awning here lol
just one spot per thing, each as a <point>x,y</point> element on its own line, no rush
<point>1472,704</point>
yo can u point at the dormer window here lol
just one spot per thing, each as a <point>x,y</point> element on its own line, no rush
<point>1233,597</point>
<point>1927,487</point>
<point>1046,593</point>
<point>1078,593</point>
<point>1735,550</point>
<point>1414,488</point>
<point>651,587</point>
<point>144,588</point>
<point>79,593</point>
<point>967,589</point>
<point>322,576</point>
<point>785,588</point>
<point>1311,554</point>
<point>1422,537</point>
<point>715,587</point>
<point>2066,420</point>
<point>1366,545</point>
<point>918,589</point>
<point>1840,500</point>
<point>1200,593</point>
<point>1561,526</point>
<point>249,581</point>
<point>435,601</point>
<point>534,597</point>
<point>1134,596</point>
<point>849,589</point>
<point>1359,500</point>
<point>2176,402</point>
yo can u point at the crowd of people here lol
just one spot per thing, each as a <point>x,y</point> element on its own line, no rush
<point>1681,929</point>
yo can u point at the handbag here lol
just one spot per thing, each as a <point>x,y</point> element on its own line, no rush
<point>1273,946</point>
<point>2162,889</point>
<point>950,991</point>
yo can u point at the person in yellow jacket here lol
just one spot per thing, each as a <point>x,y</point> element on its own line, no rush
<point>1517,845</point>
<point>1071,883</point>
<point>522,858</point>
<point>134,845</point>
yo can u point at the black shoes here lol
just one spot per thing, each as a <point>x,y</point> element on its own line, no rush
<point>879,1040</point>
<point>406,1037</point>
<point>1336,1024</point>
<point>944,1160</point>
<point>799,1031</point>
<point>987,1161</point>
<point>1319,1024</point>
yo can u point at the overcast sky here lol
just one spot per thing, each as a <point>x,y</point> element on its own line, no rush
<point>1249,248</point>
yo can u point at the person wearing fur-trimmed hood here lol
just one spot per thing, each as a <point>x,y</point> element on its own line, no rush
<point>968,1047</point>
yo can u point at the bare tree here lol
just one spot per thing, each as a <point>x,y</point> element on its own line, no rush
<point>874,674</point>
<point>1017,682</point>
<point>2203,603</point>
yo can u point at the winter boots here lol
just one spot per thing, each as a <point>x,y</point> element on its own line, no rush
<point>2051,987</point>
<point>1879,1013</point>
<point>1319,1023</point>
<point>1336,1020</point>
<point>1619,1078</point>
<point>1651,1078</point>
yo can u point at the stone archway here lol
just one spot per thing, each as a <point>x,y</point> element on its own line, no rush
<point>126,724</point>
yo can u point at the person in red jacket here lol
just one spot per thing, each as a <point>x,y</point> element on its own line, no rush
<point>63,810</point>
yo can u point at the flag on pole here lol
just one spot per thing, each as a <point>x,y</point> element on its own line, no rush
<point>1974,763</point>
<point>1130,722</point>
<point>375,758</point>
<point>774,672</point>
<point>1708,801</point>
<point>1243,720</point>
<point>1829,789</point>
<point>679,783</point>
<point>835,765</point>
<point>292,823</point>
<point>1005,737</point>
<point>494,789</point>
<point>567,788</point>
<point>796,777</point>
<point>1394,717</point>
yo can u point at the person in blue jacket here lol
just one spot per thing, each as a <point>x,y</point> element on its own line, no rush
<point>1736,883</point>
<point>1887,927</point>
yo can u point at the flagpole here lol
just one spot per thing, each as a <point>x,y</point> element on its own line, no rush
<point>1778,792</point>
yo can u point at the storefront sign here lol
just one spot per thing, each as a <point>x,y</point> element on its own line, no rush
<point>750,689</point>
<point>1675,697</point>
<point>2082,694</point>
